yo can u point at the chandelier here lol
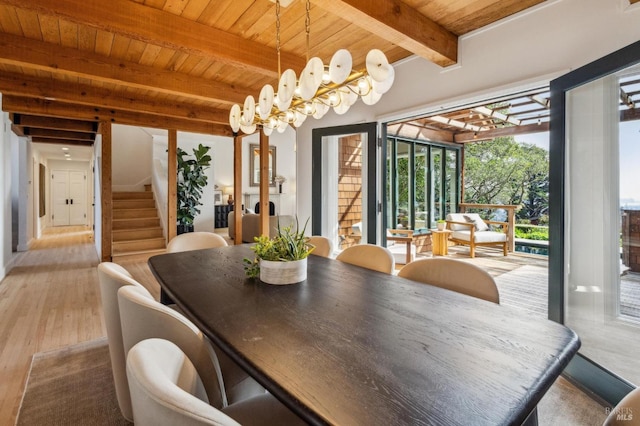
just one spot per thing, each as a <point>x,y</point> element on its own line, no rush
<point>318,88</point>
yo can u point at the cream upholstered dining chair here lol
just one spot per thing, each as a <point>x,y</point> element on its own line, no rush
<point>195,241</point>
<point>166,389</point>
<point>454,275</point>
<point>323,245</point>
<point>191,241</point>
<point>368,256</point>
<point>630,404</point>
<point>143,318</point>
<point>112,277</point>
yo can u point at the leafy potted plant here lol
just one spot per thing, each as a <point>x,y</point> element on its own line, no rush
<point>281,259</point>
<point>191,181</point>
<point>441,224</point>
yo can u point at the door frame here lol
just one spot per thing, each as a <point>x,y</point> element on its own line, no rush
<point>585,372</point>
<point>372,178</point>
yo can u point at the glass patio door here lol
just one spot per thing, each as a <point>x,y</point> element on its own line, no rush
<point>422,181</point>
<point>594,284</point>
<point>345,184</point>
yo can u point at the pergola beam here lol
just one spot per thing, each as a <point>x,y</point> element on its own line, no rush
<point>505,131</point>
<point>59,134</point>
<point>37,121</point>
<point>399,24</point>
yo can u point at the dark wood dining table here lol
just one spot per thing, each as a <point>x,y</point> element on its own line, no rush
<point>351,346</point>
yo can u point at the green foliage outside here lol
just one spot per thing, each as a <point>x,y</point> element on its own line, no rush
<point>503,171</point>
<point>191,182</point>
<point>532,232</point>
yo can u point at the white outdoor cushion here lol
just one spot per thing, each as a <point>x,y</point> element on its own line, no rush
<point>457,217</point>
<point>477,221</point>
<point>480,237</point>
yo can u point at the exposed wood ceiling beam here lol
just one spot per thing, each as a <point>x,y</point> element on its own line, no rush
<point>160,28</point>
<point>61,141</point>
<point>34,54</point>
<point>505,131</point>
<point>35,106</point>
<point>84,94</point>
<point>36,121</point>
<point>400,24</point>
<point>58,134</point>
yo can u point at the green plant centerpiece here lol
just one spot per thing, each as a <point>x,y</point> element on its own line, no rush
<point>191,182</point>
<point>281,259</point>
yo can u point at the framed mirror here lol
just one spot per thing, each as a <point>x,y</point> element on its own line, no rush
<point>254,165</point>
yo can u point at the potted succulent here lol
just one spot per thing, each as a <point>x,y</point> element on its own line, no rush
<point>191,182</point>
<point>281,259</point>
<point>441,224</point>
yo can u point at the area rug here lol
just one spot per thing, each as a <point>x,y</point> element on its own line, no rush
<point>71,386</point>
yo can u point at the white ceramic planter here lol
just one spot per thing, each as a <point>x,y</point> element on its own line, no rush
<point>441,226</point>
<point>280,273</point>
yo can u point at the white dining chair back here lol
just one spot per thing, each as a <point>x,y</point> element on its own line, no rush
<point>144,318</point>
<point>456,275</point>
<point>195,241</point>
<point>627,412</point>
<point>368,256</point>
<point>112,277</point>
<point>323,245</point>
<point>164,387</point>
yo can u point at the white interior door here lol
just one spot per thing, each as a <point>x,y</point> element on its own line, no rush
<point>69,199</point>
<point>77,198</point>
<point>60,197</point>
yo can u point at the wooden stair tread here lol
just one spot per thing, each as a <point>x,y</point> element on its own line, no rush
<point>136,229</point>
<point>141,195</point>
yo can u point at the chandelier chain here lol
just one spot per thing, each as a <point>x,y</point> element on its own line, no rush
<point>307,26</point>
<point>278,36</point>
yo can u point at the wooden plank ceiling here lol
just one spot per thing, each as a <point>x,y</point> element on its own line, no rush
<point>181,64</point>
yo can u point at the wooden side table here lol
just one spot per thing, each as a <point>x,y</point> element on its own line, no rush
<point>440,241</point>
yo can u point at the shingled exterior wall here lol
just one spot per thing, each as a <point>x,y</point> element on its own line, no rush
<point>631,239</point>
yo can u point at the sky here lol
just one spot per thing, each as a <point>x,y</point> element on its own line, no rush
<point>629,158</point>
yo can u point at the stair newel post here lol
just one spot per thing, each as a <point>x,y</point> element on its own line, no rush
<point>172,182</point>
<point>106,197</point>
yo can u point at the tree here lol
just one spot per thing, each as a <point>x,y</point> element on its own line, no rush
<point>503,171</point>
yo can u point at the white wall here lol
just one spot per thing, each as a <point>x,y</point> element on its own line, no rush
<point>5,193</point>
<point>97,190</point>
<point>286,166</point>
<point>519,52</point>
<point>132,156</point>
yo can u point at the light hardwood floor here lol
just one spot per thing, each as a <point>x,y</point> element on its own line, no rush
<point>50,299</point>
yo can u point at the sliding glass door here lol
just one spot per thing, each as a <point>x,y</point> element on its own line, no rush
<point>422,183</point>
<point>594,278</point>
<point>345,184</point>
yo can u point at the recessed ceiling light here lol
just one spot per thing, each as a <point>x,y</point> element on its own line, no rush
<point>64,148</point>
<point>67,155</point>
<point>68,159</point>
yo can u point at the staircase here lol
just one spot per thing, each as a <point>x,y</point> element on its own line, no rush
<point>136,225</point>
